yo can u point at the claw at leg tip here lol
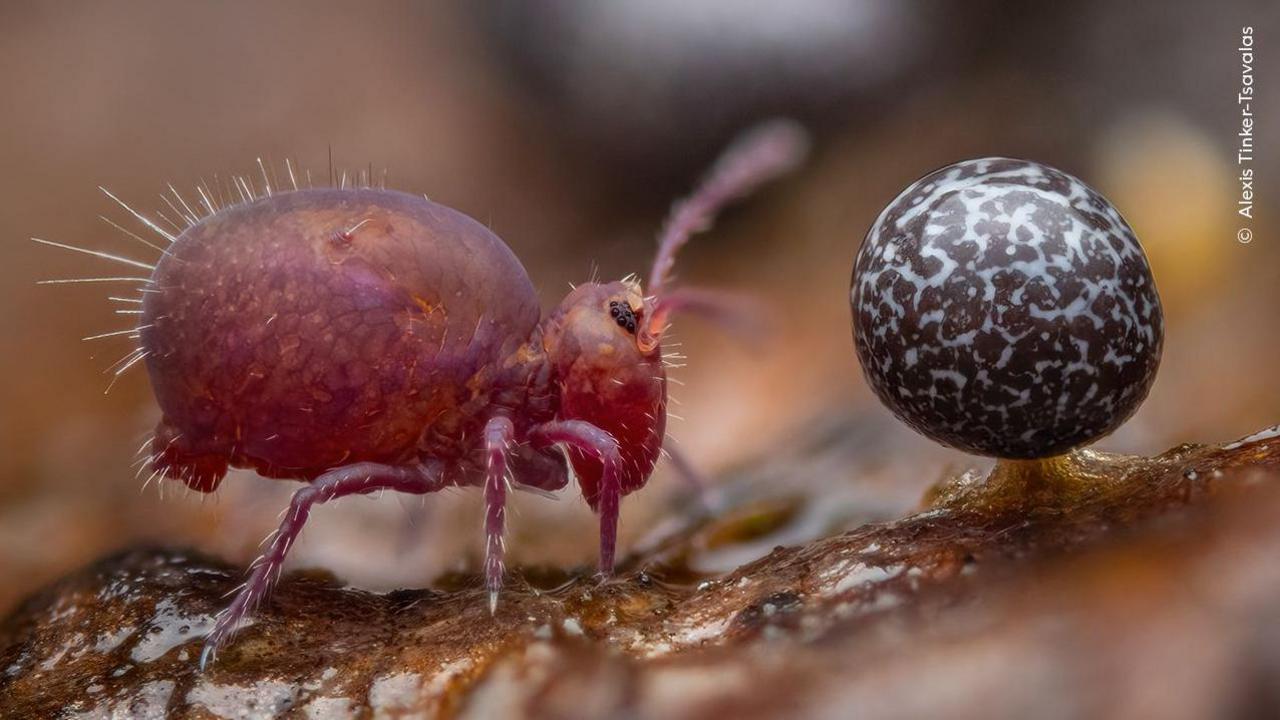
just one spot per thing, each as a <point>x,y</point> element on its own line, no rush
<point>493,602</point>
<point>206,656</point>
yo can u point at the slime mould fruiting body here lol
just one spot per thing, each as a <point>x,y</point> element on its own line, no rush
<point>1005,308</point>
<point>362,339</point>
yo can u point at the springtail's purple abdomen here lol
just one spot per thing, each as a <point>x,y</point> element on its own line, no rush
<point>363,339</point>
<point>316,328</point>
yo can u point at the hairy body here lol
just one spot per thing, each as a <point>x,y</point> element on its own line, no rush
<point>318,328</point>
<point>363,339</point>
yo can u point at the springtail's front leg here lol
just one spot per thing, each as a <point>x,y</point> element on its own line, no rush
<point>498,434</point>
<point>356,479</point>
<point>594,441</point>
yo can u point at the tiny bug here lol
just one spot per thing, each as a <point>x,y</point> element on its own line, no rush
<point>363,339</point>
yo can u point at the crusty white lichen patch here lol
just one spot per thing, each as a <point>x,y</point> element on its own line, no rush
<point>148,702</point>
<point>330,708</point>
<point>398,695</point>
<point>1267,434</point>
<point>688,633</point>
<point>264,698</point>
<point>851,574</point>
<point>406,695</point>
<point>169,627</point>
<point>111,640</point>
<point>74,644</point>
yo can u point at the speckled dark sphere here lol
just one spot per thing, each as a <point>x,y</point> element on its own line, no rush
<point>1005,308</point>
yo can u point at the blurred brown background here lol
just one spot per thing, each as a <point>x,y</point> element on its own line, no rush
<point>569,127</point>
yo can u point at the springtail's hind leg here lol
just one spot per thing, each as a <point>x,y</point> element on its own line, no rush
<point>594,441</point>
<point>693,479</point>
<point>354,479</point>
<point>498,433</point>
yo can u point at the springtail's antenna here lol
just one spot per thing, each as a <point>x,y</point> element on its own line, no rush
<point>739,314</point>
<point>759,155</point>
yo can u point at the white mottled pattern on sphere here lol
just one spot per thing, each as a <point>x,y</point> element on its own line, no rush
<point>1005,308</point>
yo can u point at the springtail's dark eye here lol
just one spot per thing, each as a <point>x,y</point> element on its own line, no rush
<point>623,315</point>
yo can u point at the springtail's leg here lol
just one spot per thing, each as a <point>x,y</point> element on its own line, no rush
<point>693,478</point>
<point>594,441</point>
<point>498,433</point>
<point>354,479</point>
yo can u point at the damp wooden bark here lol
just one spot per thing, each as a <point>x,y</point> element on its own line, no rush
<point>976,606</point>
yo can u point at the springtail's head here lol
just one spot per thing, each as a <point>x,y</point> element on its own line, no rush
<point>605,339</point>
